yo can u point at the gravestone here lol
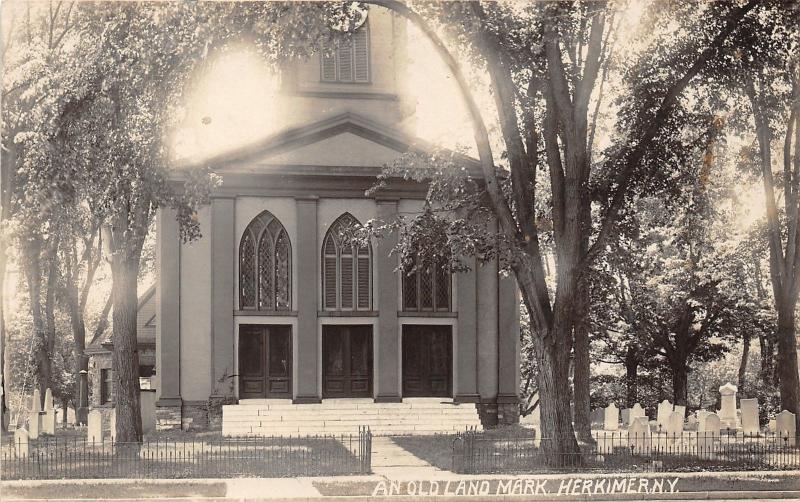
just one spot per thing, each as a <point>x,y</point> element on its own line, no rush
<point>664,410</point>
<point>626,417</point>
<point>708,433</point>
<point>639,436</point>
<point>675,425</point>
<point>681,410</point>
<point>773,425</point>
<point>148,403</point>
<point>21,442</point>
<point>95,427</point>
<point>637,412</point>
<point>750,425</point>
<point>49,417</point>
<point>36,401</point>
<point>34,424</point>
<point>611,422</point>
<point>727,412</point>
<point>786,427</point>
<point>691,423</point>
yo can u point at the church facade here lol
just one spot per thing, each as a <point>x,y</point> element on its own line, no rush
<point>273,303</point>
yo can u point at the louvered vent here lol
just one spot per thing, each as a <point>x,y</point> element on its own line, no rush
<point>361,55</point>
<point>328,62</point>
<point>344,60</point>
<point>363,282</point>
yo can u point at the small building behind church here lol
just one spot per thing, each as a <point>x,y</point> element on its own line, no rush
<point>273,309</point>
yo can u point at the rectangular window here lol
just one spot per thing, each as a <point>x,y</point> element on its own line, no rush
<point>106,386</point>
<point>347,60</point>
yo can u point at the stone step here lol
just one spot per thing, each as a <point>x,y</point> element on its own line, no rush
<point>427,417</point>
<point>250,410</point>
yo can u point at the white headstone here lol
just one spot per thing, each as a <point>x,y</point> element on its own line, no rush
<point>95,427</point>
<point>639,435</point>
<point>675,425</point>
<point>680,409</point>
<point>626,416</point>
<point>786,427</point>
<point>750,423</point>
<point>637,411</point>
<point>727,412</point>
<point>21,442</point>
<point>664,410</point>
<point>611,422</point>
<point>773,425</point>
<point>49,423</point>
<point>36,401</point>
<point>34,424</point>
<point>709,423</point>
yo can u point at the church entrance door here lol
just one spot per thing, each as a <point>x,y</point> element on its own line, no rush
<point>346,361</point>
<point>427,361</point>
<point>265,361</point>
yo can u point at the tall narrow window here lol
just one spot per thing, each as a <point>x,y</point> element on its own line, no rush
<point>346,268</point>
<point>346,59</point>
<point>106,386</point>
<point>427,288</point>
<point>265,265</point>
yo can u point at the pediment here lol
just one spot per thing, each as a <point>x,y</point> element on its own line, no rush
<point>346,140</point>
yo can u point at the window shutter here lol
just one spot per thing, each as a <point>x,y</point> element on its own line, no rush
<point>347,281</point>
<point>344,60</point>
<point>363,282</point>
<point>361,55</point>
<point>328,62</point>
<point>330,282</point>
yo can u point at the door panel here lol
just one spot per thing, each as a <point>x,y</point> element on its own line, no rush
<point>265,361</point>
<point>347,361</point>
<point>427,361</point>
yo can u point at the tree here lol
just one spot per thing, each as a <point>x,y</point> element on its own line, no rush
<point>563,91</point>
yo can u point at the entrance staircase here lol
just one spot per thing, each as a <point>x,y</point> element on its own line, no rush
<point>279,417</point>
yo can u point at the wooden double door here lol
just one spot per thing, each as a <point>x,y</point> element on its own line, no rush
<point>347,361</point>
<point>427,361</point>
<point>265,361</point>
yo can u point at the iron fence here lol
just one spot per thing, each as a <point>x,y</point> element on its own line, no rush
<point>247,456</point>
<point>481,453</point>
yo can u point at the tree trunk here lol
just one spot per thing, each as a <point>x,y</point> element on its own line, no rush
<point>789,380</point>
<point>77,321</point>
<point>125,358</point>
<point>582,365</point>
<point>32,249</point>
<point>631,376</point>
<point>680,379</point>
<point>743,362</point>
<point>558,438</point>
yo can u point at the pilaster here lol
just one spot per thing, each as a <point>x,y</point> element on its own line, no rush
<point>466,359</point>
<point>222,275</point>
<point>168,319</point>
<point>388,370</point>
<point>308,258</point>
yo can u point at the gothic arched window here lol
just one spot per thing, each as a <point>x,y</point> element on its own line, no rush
<point>265,257</point>
<point>427,288</point>
<point>346,268</point>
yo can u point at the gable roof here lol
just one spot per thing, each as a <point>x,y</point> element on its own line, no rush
<point>96,345</point>
<point>296,138</point>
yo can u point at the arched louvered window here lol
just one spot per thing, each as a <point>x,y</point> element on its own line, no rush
<point>347,59</point>
<point>346,269</point>
<point>265,257</point>
<point>427,288</point>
